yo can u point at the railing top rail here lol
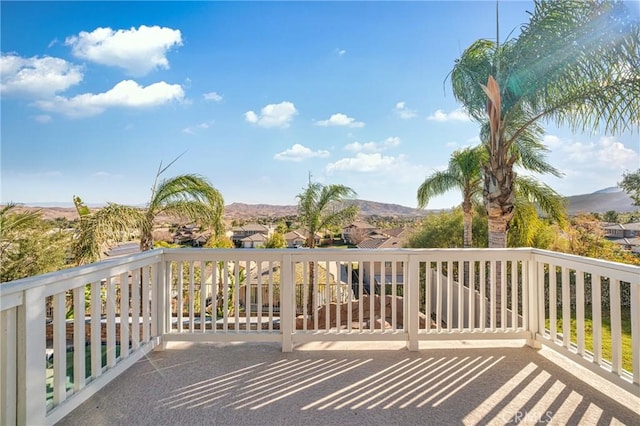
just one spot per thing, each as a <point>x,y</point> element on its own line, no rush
<point>589,264</point>
<point>75,272</point>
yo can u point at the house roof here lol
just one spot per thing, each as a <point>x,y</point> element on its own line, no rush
<point>379,242</point>
<point>633,226</point>
<point>255,238</point>
<point>251,227</point>
<point>361,225</point>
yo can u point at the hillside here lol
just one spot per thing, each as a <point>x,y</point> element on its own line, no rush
<point>600,202</point>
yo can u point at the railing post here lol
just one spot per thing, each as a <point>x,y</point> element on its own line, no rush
<point>635,331</point>
<point>534,300</point>
<point>412,302</point>
<point>8,366</point>
<point>159,314</point>
<point>287,303</point>
<point>32,397</point>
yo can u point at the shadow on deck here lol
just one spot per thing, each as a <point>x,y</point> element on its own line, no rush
<point>257,384</point>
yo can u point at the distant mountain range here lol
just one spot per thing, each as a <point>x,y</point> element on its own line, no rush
<point>601,201</point>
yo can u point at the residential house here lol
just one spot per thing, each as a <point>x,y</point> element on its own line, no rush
<point>627,235</point>
<point>357,232</point>
<point>298,238</point>
<point>240,234</point>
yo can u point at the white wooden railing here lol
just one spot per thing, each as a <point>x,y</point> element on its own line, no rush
<point>105,316</point>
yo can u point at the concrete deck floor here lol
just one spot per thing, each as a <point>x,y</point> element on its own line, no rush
<point>324,384</point>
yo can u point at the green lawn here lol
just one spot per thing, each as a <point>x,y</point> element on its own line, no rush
<point>627,362</point>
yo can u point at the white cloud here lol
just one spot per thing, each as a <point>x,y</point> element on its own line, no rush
<point>35,76</point>
<point>607,152</point>
<point>273,115</point>
<point>43,118</point>
<point>300,152</point>
<point>138,51</point>
<point>212,96</point>
<point>363,162</point>
<point>588,165</point>
<point>192,130</point>
<point>390,142</point>
<point>403,112</point>
<point>127,93</point>
<point>340,119</point>
<point>340,52</point>
<point>455,115</point>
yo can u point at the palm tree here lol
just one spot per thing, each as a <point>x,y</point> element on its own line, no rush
<point>464,174</point>
<point>96,230</point>
<point>575,63</point>
<point>187,196</point>
<point>320,207</point>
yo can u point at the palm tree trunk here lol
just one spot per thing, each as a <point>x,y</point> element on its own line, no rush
<point>468,225</point>
<point>499,194</point>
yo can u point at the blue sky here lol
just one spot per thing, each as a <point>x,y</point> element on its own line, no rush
<point>95,95</point>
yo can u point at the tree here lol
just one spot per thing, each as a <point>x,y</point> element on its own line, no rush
<point>320,207</point>
<point>95,231</point>
<point>574,63</point>
<point>610,216</point>
<point>29,245</point>
<point>188,197</point>
<point>631,185</point>
<point>463,174</point>
<point>276,240</point>
<point>444,230</point>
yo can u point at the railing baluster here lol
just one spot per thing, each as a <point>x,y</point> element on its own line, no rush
<point>180,303</point>
<point>503,295</point>
<point>361,266</point>
<point>483,295</point>
<point>79,339</point>
<point>635,332</point>
<point>596,306</point>
<point>59,349</point>
<point>580,312</point>
<point>394,296</point>
<point>124,315</point>
<point>259,298</point>
<point>514,295</point>
<point>438,295</point>
<point>144,288</point>
<point>616,325</point>
<point>203,296</point>
<point>472,302</point>
<point>135,308</point>
<point>96,332</point>
<point>460,304</point>
<point>350,297</point>
<point>111,322</point>
<point>553,302</point>
<point>449,295</point>
<point>566,308</point>
<point>493,290</point>
<point>192,295</point>
<point>338,280</point>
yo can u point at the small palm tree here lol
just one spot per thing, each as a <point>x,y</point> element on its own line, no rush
<point>464,174</point>
<point>188,196</point>
<point>320,207</point>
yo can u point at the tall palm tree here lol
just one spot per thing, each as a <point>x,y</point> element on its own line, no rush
<point>321,207</point>
<point>575,63</point>
<point>463,173</point>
